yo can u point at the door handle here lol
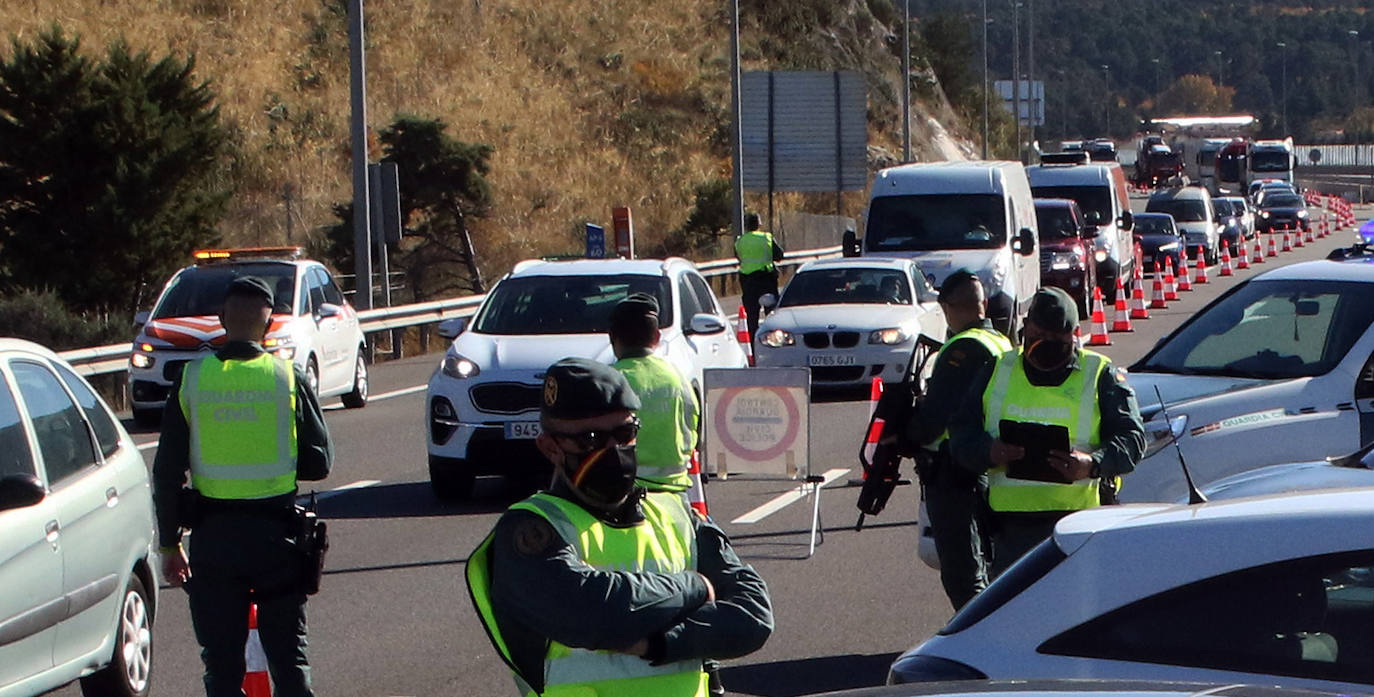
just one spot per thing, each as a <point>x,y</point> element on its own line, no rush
<point>111,497</point>
<point>51,531</point>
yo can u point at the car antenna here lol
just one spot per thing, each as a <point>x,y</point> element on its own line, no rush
<point>1194,494</point>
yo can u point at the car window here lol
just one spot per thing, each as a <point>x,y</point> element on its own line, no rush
<point>1090,199</point>
<point>847,285</point>
<point>199,290</point>
<point>1151,225</point>
<point>705,297</point>
<point>1308,617</point>
<point>63,439</point>
<point>1283,201</point>
<point>1027,570</point>
<point>688,299</point>
<point>1269,330</point>
<point>937,221</point>
<point>15,456</point>
<point>565,304</point>
<point>106,434</point>
<point>925,293</point>
<point>1184,210</point>
<point>1055,223</point>
<point>315,287</point>
<point>332,293</point>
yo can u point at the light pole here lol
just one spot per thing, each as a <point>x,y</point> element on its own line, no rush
<point>985,79</point>
<point>1107,106</point>
<point>1156,62</point>
<point>1030,67</point>
<point>1218,56</point>
<point>1283,84</point>
<point>1016,72</point>
<point>906,81</point>
<point>1355,61</point>
<point>1063,108</point>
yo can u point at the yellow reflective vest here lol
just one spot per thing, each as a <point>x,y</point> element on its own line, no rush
<point>996,345</point>
<point>1072,404</point>
<point>242,421</point>
<point>754,251</point>
<point>664,542</point>
<point>668,421</point>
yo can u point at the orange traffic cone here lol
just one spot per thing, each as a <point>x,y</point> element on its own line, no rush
<point>1287,240</point>
<point>1170,287</point>
<point>1273,245</point>
<point>742,335</point>
<point>696,493</point>
<point>1244,261</point>
<point>1297,238</point>
<point>256,682</point>
<point>1157,300</point>
<point>1307,236</point>
<point>1185,280</point>
<point>1201,267</point>
<point>875,431</point>
<point>1139,310</point>
<point>1226,269</point>
<point>1121,316</point>
<point>1259,252</point>
<point>1099,336</point>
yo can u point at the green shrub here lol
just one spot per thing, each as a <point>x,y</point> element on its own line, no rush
<point>40,316</point>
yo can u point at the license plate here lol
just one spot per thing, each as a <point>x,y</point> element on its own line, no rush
<point>829,360</point>
<point>522,430</point>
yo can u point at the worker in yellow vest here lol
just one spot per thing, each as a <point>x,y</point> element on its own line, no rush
<point>757,253</point>
<point>1049,382</point>
<point>597,587</point>
<point>669,414</point>
<point>247,426</point>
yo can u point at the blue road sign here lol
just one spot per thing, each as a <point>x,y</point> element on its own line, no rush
<point>596,242</point>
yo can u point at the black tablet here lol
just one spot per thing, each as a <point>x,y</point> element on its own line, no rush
<point>1038,440</point>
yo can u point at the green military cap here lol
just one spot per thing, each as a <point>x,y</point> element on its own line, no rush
<point>579,388</point>
<point>634,306</point>
<point>250,286</point>
<point>954,282</point>
<point>1053,310</point>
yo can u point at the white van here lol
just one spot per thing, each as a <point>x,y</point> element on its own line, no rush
<point>956,215</point>
<point>1100,190</point>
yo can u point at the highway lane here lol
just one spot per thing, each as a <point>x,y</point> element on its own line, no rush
<point>394,618</point>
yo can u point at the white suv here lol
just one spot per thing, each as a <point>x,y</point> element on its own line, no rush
<point>312,325</point>
<point>76,535</point>
<point>482,408</point>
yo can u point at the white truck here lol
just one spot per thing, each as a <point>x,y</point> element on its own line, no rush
<point>1273,159</point>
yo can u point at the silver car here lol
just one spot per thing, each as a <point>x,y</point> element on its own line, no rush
<point>76,535</point>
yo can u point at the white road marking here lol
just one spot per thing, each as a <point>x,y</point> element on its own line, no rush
<point>786,499</point>
<point>383,396</point>
<point>148,446</point>
<point>363,484</point>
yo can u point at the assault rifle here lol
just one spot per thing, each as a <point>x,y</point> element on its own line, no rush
<point>896,407</point>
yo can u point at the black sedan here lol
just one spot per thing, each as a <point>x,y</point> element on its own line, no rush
<point>1282,211</point>
<point>1159,239</point>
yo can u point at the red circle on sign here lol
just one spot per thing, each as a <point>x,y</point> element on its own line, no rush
<point>793,417</point>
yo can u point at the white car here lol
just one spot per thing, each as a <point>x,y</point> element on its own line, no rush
<point>1279,369</point>
<point>78,584</point>
<point>1276,590</point>
<point>312,325</point>
<point>1345,472</point>
<point>482,407</point>
<point>850,320</point>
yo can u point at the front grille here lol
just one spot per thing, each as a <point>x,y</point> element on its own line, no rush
<point>506,397</point>
<point>840,373</point>
<point>820,340</point>
<point>172,369</point>
<point>816,340</point>
<point>1045,263</point>
<point>846,339</point>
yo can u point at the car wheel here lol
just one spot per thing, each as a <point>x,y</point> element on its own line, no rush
<point>147,418</point>
<point>312,376</point>
<point>357,399</point>
<point>128,672</point>
<point>449,480</point>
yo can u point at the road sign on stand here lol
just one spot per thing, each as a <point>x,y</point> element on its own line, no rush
<point>624,226</point>
<point>596,242</point>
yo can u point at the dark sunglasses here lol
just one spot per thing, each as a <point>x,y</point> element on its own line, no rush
<point>588,441</point>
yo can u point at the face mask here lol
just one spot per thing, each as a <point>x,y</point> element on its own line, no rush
<point>604,477</point>
<point>1049,355</point>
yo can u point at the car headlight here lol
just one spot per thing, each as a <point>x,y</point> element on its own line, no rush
<point>888,337</point>
<point>1160,432</point>
<point>1302,214</point>
<point>1100,255</point>
<point>282,348</point>
<point>456,366</point>
<point>1264,214</point>
<point>776,338</point>
<point>141,360</point>
<point>1060,261</point>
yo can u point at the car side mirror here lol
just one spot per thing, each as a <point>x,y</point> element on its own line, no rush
<point>1025,241</point>
<point>328,310</point>
<point>20,491</point>
<point>703,323</point>
<point>849,244</point>
<point>1126,221</point>
<point>141,318</point>
<point>451,328</point>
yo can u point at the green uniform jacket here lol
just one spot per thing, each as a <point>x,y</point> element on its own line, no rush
<point>314,453</point>
<point>669,419</point>
<point>960,363</point>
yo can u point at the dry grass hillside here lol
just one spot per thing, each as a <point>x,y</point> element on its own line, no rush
<point>588,103</point>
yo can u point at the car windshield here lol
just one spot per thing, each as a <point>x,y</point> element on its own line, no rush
<point>1223,207</point>
<point>1270,162</point>
<point>1184,210</point>
<point>566,304</point>
<point>851,285</point>
<point>1273,330</point>
<point>1283,201</point>
<point>1055,223</point>
<point>199,290</point>
<point>1091,199</point>
<point>1152,225</point>
<point>936,221</point>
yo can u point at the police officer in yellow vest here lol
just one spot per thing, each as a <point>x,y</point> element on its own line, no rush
<point>247,426</point>
<point>596,587</point>
<point>669,414</point>
<point>955,496</point>
<point>1049,381</point>
<point>757,253</point>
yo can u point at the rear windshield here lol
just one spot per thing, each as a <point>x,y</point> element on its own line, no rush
<point>199,290</point>
<point>1184,210</point>
<point>1090,199</point>
<point>833,286</point>
<point>935,221</point>
<point>566,304</point>
<point>1055,223</point>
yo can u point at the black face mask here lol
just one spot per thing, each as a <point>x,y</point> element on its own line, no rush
<point>604,477</point>
<point>1047,355</point>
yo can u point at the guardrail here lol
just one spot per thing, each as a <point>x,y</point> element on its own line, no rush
<point>114,358</point>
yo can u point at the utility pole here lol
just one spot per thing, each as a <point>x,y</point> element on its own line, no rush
<point>1030,67</point>
<point>1016,72</point>
<point>985,79</point>
<point>737,139</point>
<point>1283,84</point>
<point>357,82</point>
<point>1107,106</point>
<point>906,81</point>
<point>1156,62</point>
<point>1220,84</point>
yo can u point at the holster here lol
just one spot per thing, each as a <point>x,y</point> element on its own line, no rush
<point>312,541</point>
<point>1106,491</point>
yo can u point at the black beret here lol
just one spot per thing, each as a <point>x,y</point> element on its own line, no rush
<point>1053,310</point>
<point>579,388</point>
<point>634,306</point>
<point>250,286</point>
<point>954,282</point>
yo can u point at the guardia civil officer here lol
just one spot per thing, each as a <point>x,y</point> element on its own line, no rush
<point>955,496</point>
<point>597,587</point>
<point>669,412</point>
<point>757,253</point>
<point>1049,381</point>
<point>247,426</point>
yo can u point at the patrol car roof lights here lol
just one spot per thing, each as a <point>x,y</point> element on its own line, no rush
<point>211,256</point>
<point>1175,430</point>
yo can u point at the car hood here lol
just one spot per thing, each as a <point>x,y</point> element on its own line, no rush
<point>1180,388</point>
<point>840,316</point>
<point>203,330</point>
<point>1061,245</point>
<point>1296,476</point>
<point>530,352</point>
<point>936,265</point>
<point>1156,239</point>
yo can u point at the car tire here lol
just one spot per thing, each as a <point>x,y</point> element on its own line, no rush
<point>357,399</point>
<point>147,418</point>
<point>130,669</point>
<point>312,376</point>
<point>448,479</point>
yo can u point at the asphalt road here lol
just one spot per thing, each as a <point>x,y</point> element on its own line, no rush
<point>394,618</point>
